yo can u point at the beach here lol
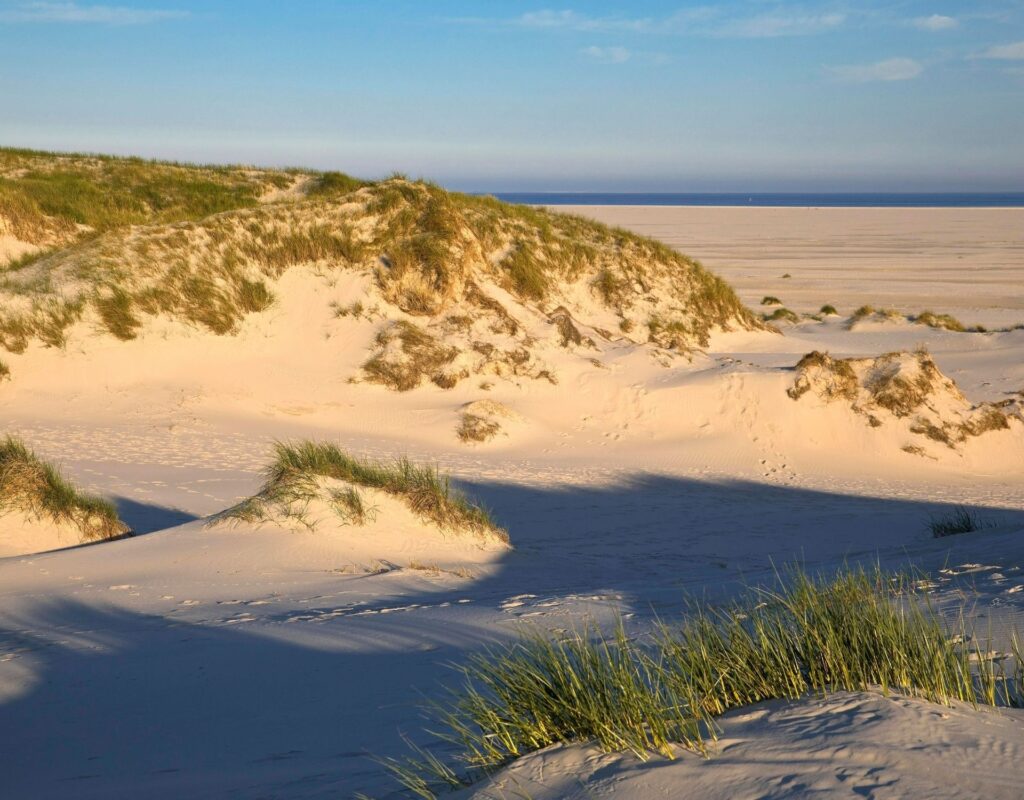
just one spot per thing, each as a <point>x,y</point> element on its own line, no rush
<point>964,261</point>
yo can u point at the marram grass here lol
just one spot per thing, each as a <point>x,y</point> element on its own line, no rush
<point>856,631</point>
<point>296,467</point>
<point>32,486</point>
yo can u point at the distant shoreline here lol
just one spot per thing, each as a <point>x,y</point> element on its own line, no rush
<point>979,200</point>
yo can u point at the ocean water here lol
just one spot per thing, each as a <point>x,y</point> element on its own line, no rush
<point>787,199</point>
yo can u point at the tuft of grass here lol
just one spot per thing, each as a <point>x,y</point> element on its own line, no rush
<point>427,493</point>
<point>854,631</point>
<point>960,520</point>
<point>526,274</point>
<point>30,485</point>
<point>770,300</point>
<point>827,309</point>
<point>116,313</point>
<point>945,322</point>
<point>474,428</point>
<point>5,371</point>
<point>782,315</point>
<point>418,355</point>
<point>254,296</point>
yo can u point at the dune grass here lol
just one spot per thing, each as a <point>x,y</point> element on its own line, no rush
<point>959,520</point>
<point>946,322</point>
<point>31,485</point>
<point>128,238</point>
<point>855,631</point>
<point>297,466</point>
<point>828,309</point>
<point>770,300</point>
<point>782,315</point>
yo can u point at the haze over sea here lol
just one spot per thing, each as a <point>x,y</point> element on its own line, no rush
<point>770,199</point>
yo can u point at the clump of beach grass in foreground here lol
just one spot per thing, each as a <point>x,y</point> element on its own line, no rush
<point>855,631</point>
<point>959,520</point>
<point>298,467</point>
<point>32,486</point>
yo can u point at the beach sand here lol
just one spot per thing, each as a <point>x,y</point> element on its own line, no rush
<point>964,261</point>
<point>243,662</point>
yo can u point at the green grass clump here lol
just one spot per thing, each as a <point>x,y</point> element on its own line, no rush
<point>254,296</point>
<point>856,631</point>
<point>960,520</point>
<point>32,486</point>
<point>427,493</point>
<point>828,309</point>
<point>5,371</point>
<point>770,300</point>
<point>782,315</point>
<point>945,322</point>
<point>116,313</point>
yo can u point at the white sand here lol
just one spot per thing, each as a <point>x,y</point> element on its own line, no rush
<point>261,663</point>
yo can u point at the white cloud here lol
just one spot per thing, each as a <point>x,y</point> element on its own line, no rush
<point>891,69</point>
<point>607,55</point>
<point>705,20</point>
<point>935,23</point>
<point>579,22</point>
<point>75,13</point>
<point>1006,52</point>
<point>772,25</point>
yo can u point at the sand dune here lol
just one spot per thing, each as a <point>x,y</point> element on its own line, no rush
<point>650,465</point>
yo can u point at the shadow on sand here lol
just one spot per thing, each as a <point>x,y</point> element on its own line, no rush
<point>98,700</point>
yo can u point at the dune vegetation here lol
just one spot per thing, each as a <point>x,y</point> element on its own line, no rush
<point>297,475</point>
<point>122,240</point>
<point>854,631</point>
<point>33,487</point>
<point>902,388</point>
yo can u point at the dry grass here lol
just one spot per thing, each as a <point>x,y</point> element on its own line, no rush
<point>407,356</point>
<point>474,428</point>
<point>32,486</point>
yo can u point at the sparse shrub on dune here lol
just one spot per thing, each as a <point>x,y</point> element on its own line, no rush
<point>770,300</point>
<point>5,371</point>
<point>296,468</point>
<point>828,310</point>
<point>34,487</point>
<point>856,631</point>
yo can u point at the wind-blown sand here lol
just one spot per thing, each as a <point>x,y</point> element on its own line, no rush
<point>245,662</point>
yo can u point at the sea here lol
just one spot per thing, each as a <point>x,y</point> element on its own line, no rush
<point>771,199</point>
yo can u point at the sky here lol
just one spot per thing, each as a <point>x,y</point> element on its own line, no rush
<point>744,95</point>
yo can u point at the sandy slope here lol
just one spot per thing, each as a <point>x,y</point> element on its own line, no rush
<point>259,663</point>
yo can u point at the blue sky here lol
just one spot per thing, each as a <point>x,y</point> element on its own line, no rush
<point>745,95</point>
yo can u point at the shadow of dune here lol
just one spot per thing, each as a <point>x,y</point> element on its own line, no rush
<point>103,699</point>
<point>148,517</point>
